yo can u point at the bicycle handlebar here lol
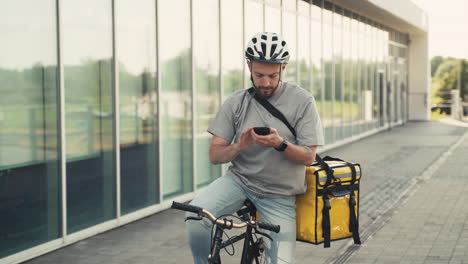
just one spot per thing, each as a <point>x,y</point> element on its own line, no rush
<point>186,207</point>
<point>228,224</point>
<point>267,226</point>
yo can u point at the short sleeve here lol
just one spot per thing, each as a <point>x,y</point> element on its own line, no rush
<point>223,123</point>
<point>308,125</point>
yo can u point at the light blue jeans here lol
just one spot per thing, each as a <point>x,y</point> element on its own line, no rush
<point>226,196</point>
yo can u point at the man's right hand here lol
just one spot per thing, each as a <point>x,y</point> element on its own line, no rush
<point>246,139</point>
<point>222,151</point>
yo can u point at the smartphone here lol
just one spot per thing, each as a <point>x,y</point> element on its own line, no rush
<point>262,130</point>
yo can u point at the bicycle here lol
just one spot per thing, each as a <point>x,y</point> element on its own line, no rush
<point>252,248</point>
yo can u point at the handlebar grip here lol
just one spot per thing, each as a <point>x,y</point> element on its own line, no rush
<point>274,228</point>
<point>186,207</point>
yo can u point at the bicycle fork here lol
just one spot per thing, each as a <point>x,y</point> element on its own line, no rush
<point>251,250</point>
<point>214,257</point>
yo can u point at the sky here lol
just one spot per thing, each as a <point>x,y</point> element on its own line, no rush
<point>448,30</point>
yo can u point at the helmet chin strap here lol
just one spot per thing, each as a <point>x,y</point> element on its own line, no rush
<point>253,83</point>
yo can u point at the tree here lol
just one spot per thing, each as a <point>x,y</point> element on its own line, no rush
<point>445,78</point>
<point>435,62</point>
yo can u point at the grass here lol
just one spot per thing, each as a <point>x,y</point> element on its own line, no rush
<point>437,115</point>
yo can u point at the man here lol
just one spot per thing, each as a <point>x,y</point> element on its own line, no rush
<point>267,169</point>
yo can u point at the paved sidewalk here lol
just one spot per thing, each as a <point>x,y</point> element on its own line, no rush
<point>413,208</point>
<point>431,226</point>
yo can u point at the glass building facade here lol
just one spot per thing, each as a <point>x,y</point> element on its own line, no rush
<point>104,104</point>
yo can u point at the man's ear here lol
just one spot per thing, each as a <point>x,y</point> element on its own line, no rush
<point>283,66</point>
<point>249,64</point>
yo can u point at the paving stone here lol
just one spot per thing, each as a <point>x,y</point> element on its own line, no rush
<point>429,227</point>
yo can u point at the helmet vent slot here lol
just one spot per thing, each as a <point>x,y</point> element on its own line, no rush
<point>272,50</point>
<point>263,49</point>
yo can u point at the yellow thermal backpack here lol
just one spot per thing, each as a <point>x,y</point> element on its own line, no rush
<point>329,208</point>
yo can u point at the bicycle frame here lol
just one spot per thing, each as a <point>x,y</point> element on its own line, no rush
<point>248,249</point>
<point>251,248</point>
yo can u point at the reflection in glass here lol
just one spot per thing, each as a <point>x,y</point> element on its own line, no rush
<point>303,53</point>
<point>375,93</point>
<point>362,75</point>
<point>87,55</point>
<point>273,18</point>
<point>354,75</point>
<point>327,45</point>
<point>30,207</point>
<point>289,34</point>
<point>232,46</point>
<point>338,114</point>
<point>347,103</point>
<point>176,97</point>
<point>253,24</point>
<point>136,57</point>
<point>368,95</point>
<point>206,54</point>
<point>316,55</point>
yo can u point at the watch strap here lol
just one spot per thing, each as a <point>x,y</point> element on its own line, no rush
<point>282,146</point>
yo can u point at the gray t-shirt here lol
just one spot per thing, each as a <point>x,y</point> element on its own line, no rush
<point>263,170</point>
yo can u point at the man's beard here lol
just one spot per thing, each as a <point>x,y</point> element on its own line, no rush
<point>266,91</point>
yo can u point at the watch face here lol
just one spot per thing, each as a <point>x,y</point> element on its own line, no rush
<point>282,146</point>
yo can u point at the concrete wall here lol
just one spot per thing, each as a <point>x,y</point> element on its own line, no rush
<point>419,78</point>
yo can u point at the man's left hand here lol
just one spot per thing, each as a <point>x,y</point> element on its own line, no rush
<point>271,140</point>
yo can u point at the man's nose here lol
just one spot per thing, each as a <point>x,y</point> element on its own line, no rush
<point>264,81</point>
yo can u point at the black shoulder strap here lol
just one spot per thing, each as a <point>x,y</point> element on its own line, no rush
<point>273,110</point>
<point>277,113</point>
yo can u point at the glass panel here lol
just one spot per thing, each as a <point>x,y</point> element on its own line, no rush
<point>272,19</point>
<point>232,46</point>
<point>30,205</point>
<point>368,99</point>
<point>87,56</point>
<point>381,76</point>
<point>396,86</point>
<point>327,120</point>
<point>176,96</point>
<point>206,53</point>
<point>375,100</point>
<point>386,60</point>
<point>347,103</point>
<point>289,34</point>
<point>253,24</point>
<point>362,75</point>
<point>305,72</point>
<point>354,76</point>
<point>136,56</point>
<point>404,90</point>
<point>316,55</point>
<point>338,93</point>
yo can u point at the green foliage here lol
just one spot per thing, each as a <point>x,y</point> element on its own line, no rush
<point>445,78</point>
<point>435,62</point>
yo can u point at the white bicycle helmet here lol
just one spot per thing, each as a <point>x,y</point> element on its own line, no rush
<point>267,47</point>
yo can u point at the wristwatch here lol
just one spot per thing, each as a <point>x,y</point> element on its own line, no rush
<point>282,146</point>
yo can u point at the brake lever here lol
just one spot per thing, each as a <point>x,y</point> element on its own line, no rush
<point>192,218</point>
<point>263,234</point>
